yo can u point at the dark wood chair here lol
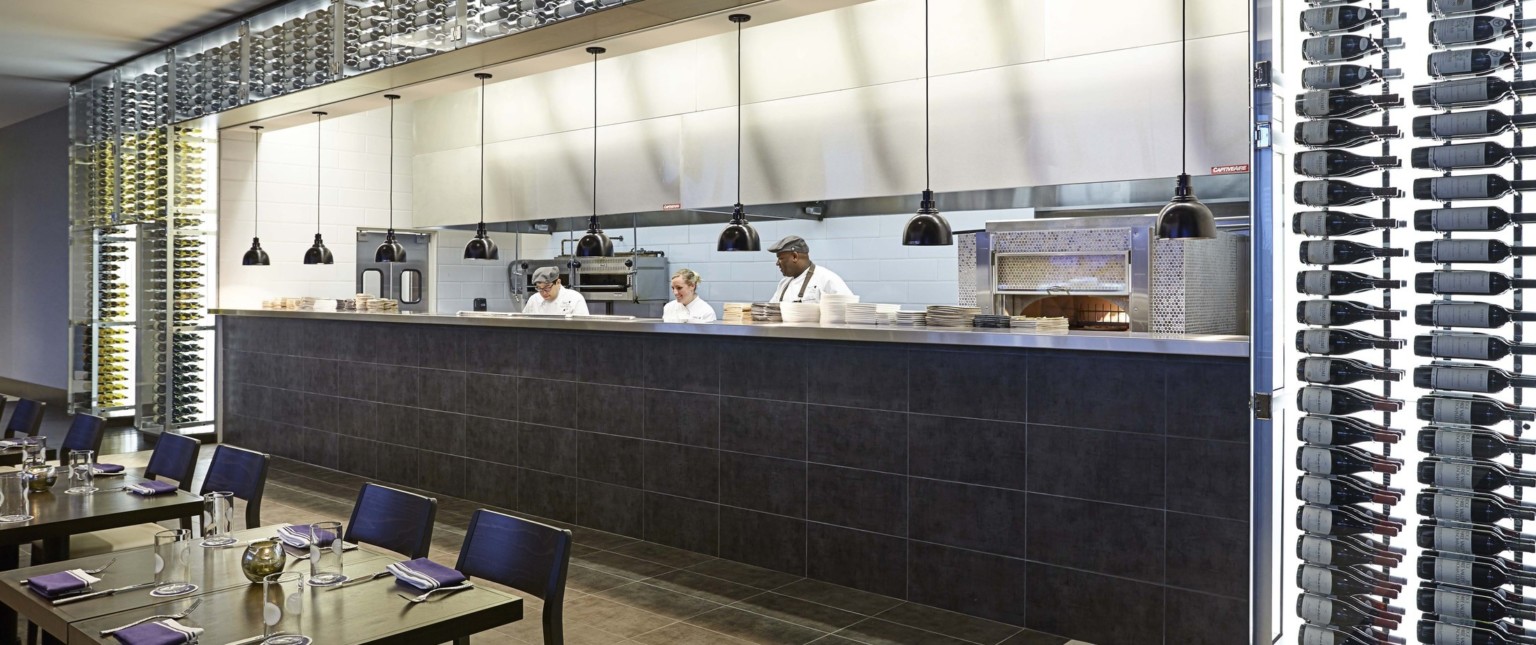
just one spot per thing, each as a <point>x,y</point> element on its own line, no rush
<point>175,457</point>
<point>85,433</point>
<point>242,472</point>
<point>26,419</point>
<point>524,555</point>
<point>393,519</point>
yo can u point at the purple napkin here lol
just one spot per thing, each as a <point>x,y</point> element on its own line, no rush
<point>62,583</point>
<point>151,488</point>
<point>108,469</point>
<point>164,632</point>
<point>299,536</point>
<point>425,574</point>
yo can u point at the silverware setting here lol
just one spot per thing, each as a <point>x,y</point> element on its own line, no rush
<point>184,613</point>
<point>423,597</point>
<point>119,489</point>
<point>358,581</point>
<point>107,592</point>
<point>255,639</point>
<point>93,572</point>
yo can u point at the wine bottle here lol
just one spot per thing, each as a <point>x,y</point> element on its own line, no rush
<point>1337,224</point>
<point>1433,632</point>
<point>1340,163</point>
<point>1463,506</point>
<point>1465,155</point>
<point>1471,443</point>
<point>1342,551</point>
<point>1470,475</point>
<point>1471,539</point>
<point>1322,104</point>
<point>1482,347</point>
<point>1344,252</point>
<point>1343,18</point>
<point>1339,490</point>
<point>1325,430</point>
<point>1345,521</point>
<point>1332,192</point>
<point>1471,251</point>
<point>1347,76</point>
<point>1343,460</point>
<point>1469,125</point>
<point>1467,30</point>
<point>1477,61</point>
<point>1335,342</point>
<point>1346,47</point>
<point>1470,92</point>
<point>1461,7</point>
<point>1467,187</point>
<point>1339,283</point>
<point>1467,377</point>
<point>1341,312</point>
<point>1340,581</point>
<point>1338,133</point>
<point>1477,315</point>
<point>1470,410</point>
<point>1319,399</point>
<point>1342,371</point>
<point>1470,605</point>
<point>1460,282</point>
<point>1341,612</point>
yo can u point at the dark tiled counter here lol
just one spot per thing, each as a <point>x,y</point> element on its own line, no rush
<point>1097,495</point>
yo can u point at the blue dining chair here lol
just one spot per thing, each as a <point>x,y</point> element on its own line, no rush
<point>26,419</point>
<point>242,472</point>
<point>85,433</point>
<point>175,457</point>
<point>522,554</point>
<point>390,518</point>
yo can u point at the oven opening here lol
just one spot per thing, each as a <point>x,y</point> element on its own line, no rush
<point>604,281</point>
<point>1090,313</point>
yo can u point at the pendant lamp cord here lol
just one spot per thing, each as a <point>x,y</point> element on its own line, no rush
<point>738,113</point>
<point>1184,87</point>
<point>392,165</point>
<point>317,173</point>
<point>927,134</point>
<point>256,187</point>
<point>594,137</point>
<point>482,152</point>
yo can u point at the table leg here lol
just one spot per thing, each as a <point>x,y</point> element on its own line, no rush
<point>55,549</point>
<point>10,558</point>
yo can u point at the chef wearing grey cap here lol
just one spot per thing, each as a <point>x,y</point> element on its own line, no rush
<point>803,281</point>
<point>553,298</point>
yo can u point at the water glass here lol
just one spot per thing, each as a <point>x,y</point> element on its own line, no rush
<point>13,498</point>
<point>325,562</point>
<point>82,468</point>
<point>36,448</point>
<point>282,603</point>
<point>218,517</point>
<point>173,562</point>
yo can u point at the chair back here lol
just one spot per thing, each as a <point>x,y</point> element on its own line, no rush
<point>242,472</point>
<point>26,419</point>
<point>393,519</point>
<point>85,433</point>
<point>175,457</point>
<point>522,554</point>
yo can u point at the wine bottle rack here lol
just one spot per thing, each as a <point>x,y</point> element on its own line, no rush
<point>1345,519</point>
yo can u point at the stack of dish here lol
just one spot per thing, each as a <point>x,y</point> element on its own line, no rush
<point>951,316</point>
<point>989,321</point>
<point>868,313</point>
<point>766,312</point>
<point>834,307</point>
<point>800,312</point>
<point>1027,323</point>
<point>737,312</point>
<point>912,318</point>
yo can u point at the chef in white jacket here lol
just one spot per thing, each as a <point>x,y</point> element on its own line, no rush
<point>553,298</point>
<point>686,305</point>
<point>803,281</point>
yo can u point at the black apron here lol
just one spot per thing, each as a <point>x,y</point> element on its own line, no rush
<point>800,298</point>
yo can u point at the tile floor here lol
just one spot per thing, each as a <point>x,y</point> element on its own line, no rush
<point>622,590</point>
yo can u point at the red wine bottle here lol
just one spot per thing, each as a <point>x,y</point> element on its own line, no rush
<point>1339,163</point>
<point>1329,313</point>
<point>1339,283</point>
<point>1342,104</point>
<point>1318,399</point>
<point>1472,251</point>
<point>1340,612</point>
<point>1478,218</point>
<point>1466,604</point>
<point>1342,18</point>
<point>1467,187</point>
<point>1463,344</point>
<point>1442,8</point>
<point>1344,521</point>
<point>1328,370</point>
<point>1470,410</point>
<point>1340,581</point>
<point>1471,539</point>
<point>1467,377</point>
<point>1345,47</point>
<point>1339,490</point>
<point>1332,192</point>
<point>1475,315</point>
<point>1459,282</point>
<point>1469,125</point>
<point>1470,92</point>
<point>1465,571</point>
<point>1347,76</point>
<point>1338,133</point>
<point>1337,224</point>
<point>1434,632</point>
<point>1344,252</point>
<point>1482,476</point>
<point>1477,61</point>
<point>1463,506</point>
<point>1471,30</point>
<point>1471,443</point>
<point>1343,551</point>
<point>1325,430</point>
<point>1336,342</point>
<point>1343,460</point>
<point>1467,155</point>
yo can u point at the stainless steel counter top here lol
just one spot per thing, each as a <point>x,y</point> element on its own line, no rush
<point>1137,342</point>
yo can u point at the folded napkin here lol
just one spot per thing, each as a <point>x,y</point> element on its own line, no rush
<point>299,536</point>
<point>151,488</point>
<point>11,443</point>
<point>108,469</point>
<point>163,632</point>
<point>62,583</point>
<point>425,574</point>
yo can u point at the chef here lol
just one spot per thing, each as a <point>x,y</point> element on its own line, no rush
<point>687,306</point>
<point>553,298</point>
<point>803,281</point>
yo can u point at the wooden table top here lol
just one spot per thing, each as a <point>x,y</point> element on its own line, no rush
<point>56,513</point>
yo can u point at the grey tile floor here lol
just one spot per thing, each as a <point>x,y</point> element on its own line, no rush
<point>622,590</point>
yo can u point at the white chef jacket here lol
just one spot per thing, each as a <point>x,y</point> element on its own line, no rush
<point>697,311</point>
<point>823,280</point>
<point>567,302</point>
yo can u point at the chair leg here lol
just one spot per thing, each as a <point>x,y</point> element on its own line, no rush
<point>462,640</point>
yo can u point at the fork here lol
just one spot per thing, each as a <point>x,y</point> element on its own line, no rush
<point>93,571</point>
<point>184,613</point>
<point>423,597</point>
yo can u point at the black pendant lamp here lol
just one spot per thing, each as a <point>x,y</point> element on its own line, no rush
<point>739,235</point>
<point>390,250</point>
<point>595,243</point>
<point>1185,216</point>
<point>256,256</point>
<point>927,227</point>
<point>318,254</point>
<point>482,247</point>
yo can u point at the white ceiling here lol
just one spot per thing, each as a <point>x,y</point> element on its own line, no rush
<point>45,44</point>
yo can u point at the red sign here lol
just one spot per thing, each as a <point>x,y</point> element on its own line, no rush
<point>1231,169</point>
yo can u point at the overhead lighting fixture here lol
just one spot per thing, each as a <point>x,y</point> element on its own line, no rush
<point>927,227</point>
<point>595,243</point>
<point>318,254</point>
<point>1184,216</point>
<point>738,235</point>
<point>256,256</point>
<point>390,250</point>
<point>482,247</point>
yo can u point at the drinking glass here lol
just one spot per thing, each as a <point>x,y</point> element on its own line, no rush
<point>173,562</point>
<point>218,514</point>
<point>13,498</point>
<point>35,448</point>
<point>82,467</point>
<point>282,602</point>
<point>325,562</point>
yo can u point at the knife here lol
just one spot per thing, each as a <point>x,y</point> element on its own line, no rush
<point>358,581</point>
<point>255,639</point>
<point>107,592</point>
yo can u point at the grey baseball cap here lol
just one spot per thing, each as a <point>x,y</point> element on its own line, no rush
<point>546,274</point>
<point>790,243</point>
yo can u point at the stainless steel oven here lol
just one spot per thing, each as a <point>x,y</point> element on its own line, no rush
<point>618,279</point>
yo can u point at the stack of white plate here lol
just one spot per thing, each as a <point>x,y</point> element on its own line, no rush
<point>951,316</point>
<point>834,307</point>
<point>1031,324</point>
<point>737,312</point>
<point>912,318</point>
<point>800,312</point>
<point>766,312</point>
<point>869,313</point>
